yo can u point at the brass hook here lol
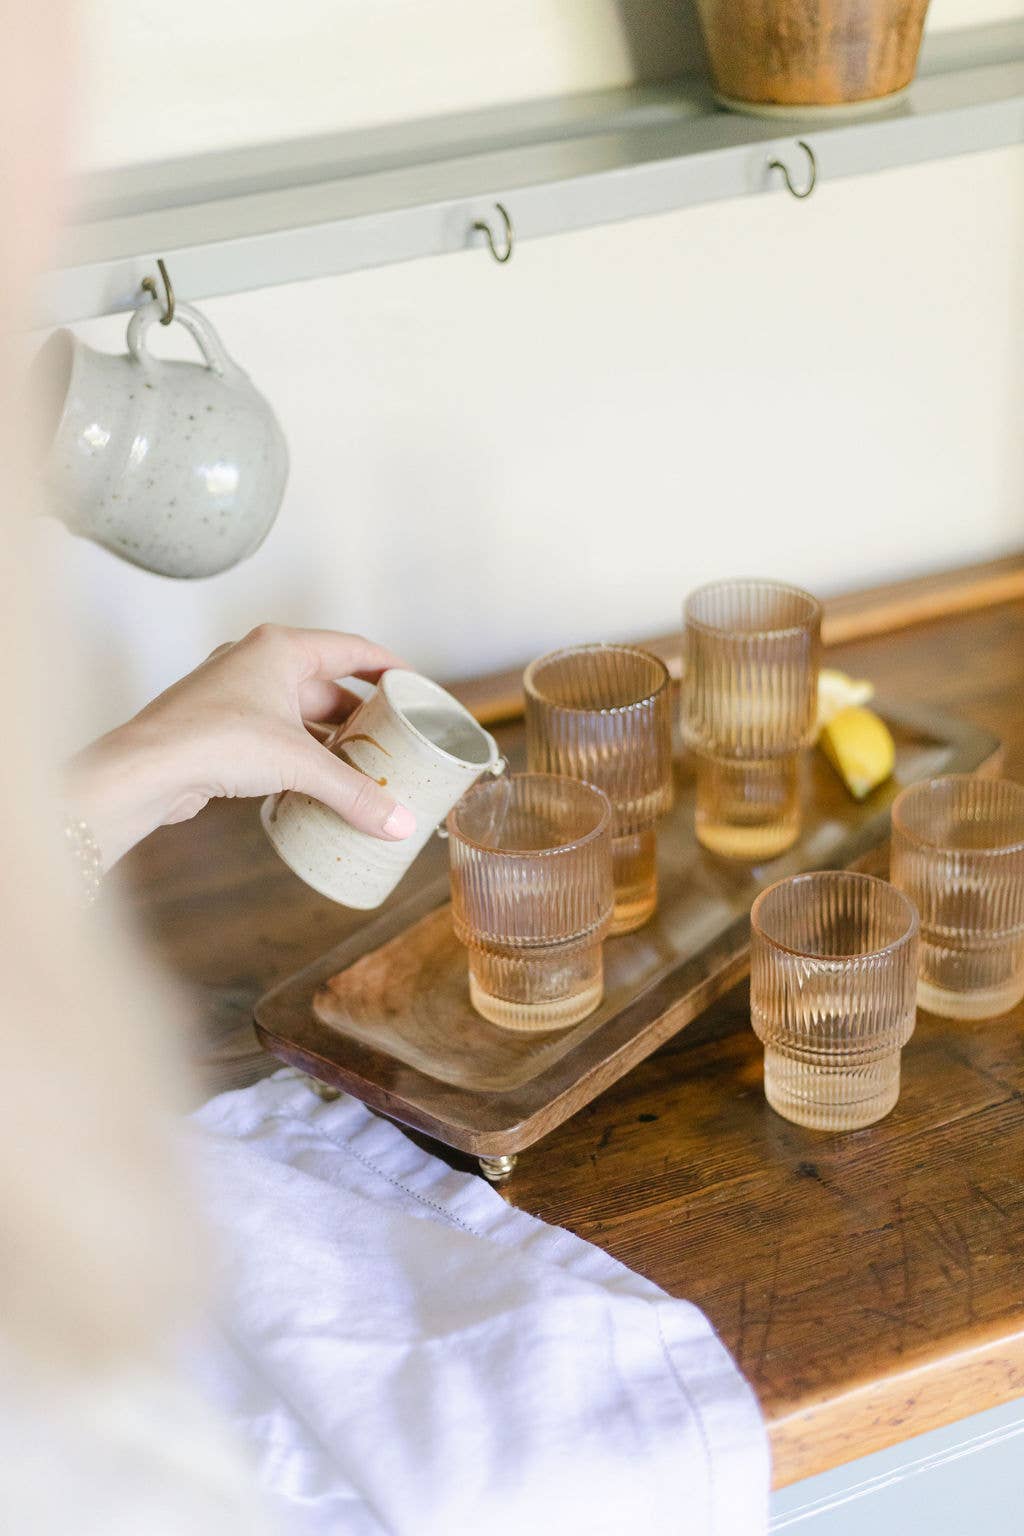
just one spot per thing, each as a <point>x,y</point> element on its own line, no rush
<point>777,165</point>
<point>509,236</point>
<point>149,284</point>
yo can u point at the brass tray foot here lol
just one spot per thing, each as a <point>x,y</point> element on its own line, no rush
<point>497,1169</point>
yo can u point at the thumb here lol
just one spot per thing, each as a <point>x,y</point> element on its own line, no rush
<point>358,799</point>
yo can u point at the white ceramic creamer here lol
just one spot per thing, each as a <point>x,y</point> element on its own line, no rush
<point>178,467</point>
<point>426,749</point>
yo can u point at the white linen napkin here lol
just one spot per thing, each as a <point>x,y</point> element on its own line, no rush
<point>408,1355</point>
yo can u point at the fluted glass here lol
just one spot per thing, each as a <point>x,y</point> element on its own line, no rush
<point>532,897</point>
<point>958,852</point>
<point>833,976</point>
<point>601,713</point>
<point>749,699</point>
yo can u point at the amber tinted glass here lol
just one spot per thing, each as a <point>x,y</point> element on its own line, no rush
<point>601,713</point>
<point>532,897</point>
<point>749,700</point>
<point>833,970</point>
<point>958,852</point>
<point>750,675</point>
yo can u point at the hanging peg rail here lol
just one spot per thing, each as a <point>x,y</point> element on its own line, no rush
<point>149,284</point>
<point>812,178</point>
<point>247,219</point>
<point>485,229</point>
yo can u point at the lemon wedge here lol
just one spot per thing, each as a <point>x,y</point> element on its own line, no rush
<point>860,748</point>
<point>837,691</point>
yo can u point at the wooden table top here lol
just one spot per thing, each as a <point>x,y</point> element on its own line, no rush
<point>871,1285</point>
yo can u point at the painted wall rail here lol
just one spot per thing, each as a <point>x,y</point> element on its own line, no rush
<point>288,212</point>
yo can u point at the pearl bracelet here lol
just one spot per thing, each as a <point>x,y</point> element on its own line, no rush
<point>85,851</point>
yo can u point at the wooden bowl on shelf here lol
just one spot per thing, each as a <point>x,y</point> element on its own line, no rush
<point>810,58</point>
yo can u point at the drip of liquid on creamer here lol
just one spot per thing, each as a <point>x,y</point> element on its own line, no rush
<point>361,736</point>
<point>343,754</point>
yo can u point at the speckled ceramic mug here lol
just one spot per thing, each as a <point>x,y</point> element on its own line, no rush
<point>425,747</point>
<point>178,467</point>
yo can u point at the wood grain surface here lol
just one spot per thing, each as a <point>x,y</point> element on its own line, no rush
<point>871,1284</point>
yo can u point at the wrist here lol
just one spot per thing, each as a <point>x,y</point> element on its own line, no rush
<point>123,787</point>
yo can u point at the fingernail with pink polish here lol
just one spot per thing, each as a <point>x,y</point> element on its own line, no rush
<point>401,823</point>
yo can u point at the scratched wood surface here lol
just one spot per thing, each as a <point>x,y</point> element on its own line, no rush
<point>872,1285</point>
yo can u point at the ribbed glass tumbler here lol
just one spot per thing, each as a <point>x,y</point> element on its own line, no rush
<point>749,701</point>
<point>833,979</point>
<point>958,852</point>
<point>532,897</point>
<point>601,713</point>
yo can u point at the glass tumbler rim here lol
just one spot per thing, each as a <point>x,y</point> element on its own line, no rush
<point>492,786</point>
<point>565,652</point>
<point>810,876</point>
<point>936,844</point>
<point>814,608</point>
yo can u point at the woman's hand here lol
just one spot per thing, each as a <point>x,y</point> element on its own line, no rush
<point>234,727</point>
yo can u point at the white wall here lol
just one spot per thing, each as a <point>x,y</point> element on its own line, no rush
<point>254,70</point>
<point>488,461</point>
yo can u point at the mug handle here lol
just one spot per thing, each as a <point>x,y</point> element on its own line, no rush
<point>202,332</point>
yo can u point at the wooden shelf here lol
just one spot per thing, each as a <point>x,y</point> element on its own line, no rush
<point>313,208</point>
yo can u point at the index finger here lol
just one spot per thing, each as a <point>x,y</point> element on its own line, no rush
<point>333,655</point>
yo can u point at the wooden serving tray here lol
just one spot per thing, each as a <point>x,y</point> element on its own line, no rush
<point>386,1016</point>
